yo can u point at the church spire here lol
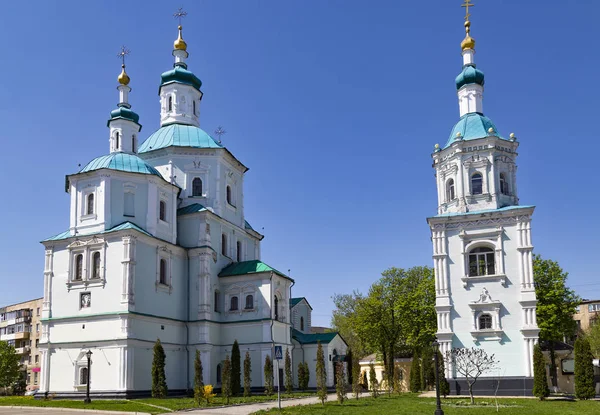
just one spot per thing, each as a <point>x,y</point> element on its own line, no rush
<point>123,122</point>
<point>469,82</point>
<point>179,46</point>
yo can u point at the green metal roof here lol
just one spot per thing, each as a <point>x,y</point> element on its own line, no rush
<point>121,227</point>
<point>180,75</point>
<point>469,75</point>
<point>472,126</point>
<point>122,162</point>
<point>295,301</point>
<point>193,208</point>
<point>313,337</point>
<point>479,212</point>
<point>125,113</point>
<point>178,135</point>
<point>247,226</point>
<point>249,267</point>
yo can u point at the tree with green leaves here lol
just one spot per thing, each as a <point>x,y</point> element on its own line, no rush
<point>321,374</point>
<point>343,321</point>
<point>398,375</point>
<point>268,369</point>
<point>236,369</point>
<point>198,379</point>
<point>540,381</point>
<point>427,369</point>
<point>289,380</point>
<point>340,383</point>
<point>247,375</point>
<point>350,367</point>
<point>306,376</point>
<point>556,304</point>
<point>356,378</point>
<point>10,365</point>
<point>593,337</point>
<point>444,385</point>
<point>584,370</point>
<point>415,375</point>
<point>226,380</point>
<point>301,376</point>
<point>159,379</point>
<point>373,381</point>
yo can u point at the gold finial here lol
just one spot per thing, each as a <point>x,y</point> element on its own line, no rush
<point>123,78</point>
<point>468,42</point>
<point>180,44</point>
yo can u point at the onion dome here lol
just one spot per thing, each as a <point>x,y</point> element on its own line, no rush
<point>468,42</point>
<point>472,126</point>
<point>125,113</point>
<point>179,43</point>
<point>178,135</point>
<point>121,162</point>
<point>123,78</point>
<point>181,75</point>
<point>470,75</point>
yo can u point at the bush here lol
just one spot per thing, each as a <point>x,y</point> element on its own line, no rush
<point>321,374</point>
<point>373,381</point>
<point>236,371</point>
<point>444,385</point>
<point>207,393</point>
<point>415,375</point>
<point>427,369</point>
<point>159,380</point>
<point>540,380</point>
<point>268,376</point>
<point>198,380</point>
<point>247,375</point>
<point>340,383</point>
<point>289,381</point>
<point>584,370</point>
<point>226,380</point>
<point>356,377</point>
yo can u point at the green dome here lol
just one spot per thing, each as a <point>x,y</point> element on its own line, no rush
<point>178,135</point>
<point>470,75</point>
<point>124,112</point>
<point>122,162</point>
<point>181,75</point>
<point>471,127</point>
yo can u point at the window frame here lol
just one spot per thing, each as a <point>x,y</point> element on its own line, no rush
<point>162,211</point>
<point>450,190</point>
<point>239,251</point>
<point>504,188</point>
<point>229,195</point>
<point>90,204</point>
<point>96,267</point>
<point>224,243</point>
<point>234,303</point>
<point>170,103</point>
<point>78,267</point>
<point>162,272</point>
<point>479,177</point>
<point>487,319</point>
<point>194,193</point>
<point>478,253</point>
<point>251,297</point>
<point>301,323</point>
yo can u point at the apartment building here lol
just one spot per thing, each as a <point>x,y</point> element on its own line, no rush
<point>587,313</point>
<point>20,326</point>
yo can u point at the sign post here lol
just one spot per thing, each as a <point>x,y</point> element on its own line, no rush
<point>278,357</point>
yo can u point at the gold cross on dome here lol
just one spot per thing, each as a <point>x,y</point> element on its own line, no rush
<point>180,14</point>
<point>124,52</point>
<point>466,5</point>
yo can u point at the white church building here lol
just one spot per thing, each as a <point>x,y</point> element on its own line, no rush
<point>158,247</point>
<point>482,249</point>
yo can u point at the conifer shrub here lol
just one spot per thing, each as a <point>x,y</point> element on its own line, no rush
<point>321,374</point>
<point>444,385</point>
<point>198,380</point>
<point>584,370</point>
<point>301,376</point>
<point>427,369</point>
<point>289,380</point>
<point>415,375</point>
<point>247,375</point>
<point>226,380</point>
<point>268,370</point>
<point>340,383</point>
<point>159,379</point>
<point>365,381</point>
<point>356,378</point>
<point>373,381</point>
<point>236,370</point>
<point>540,379</point>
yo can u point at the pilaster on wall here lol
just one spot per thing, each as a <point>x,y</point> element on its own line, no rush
<point>203,284</point>
<point>48,274</point>
<point>440,258</point>
<point>128,263</point>
<point>525,249</point>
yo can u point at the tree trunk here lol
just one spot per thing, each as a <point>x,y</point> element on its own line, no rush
<point>553,374</point>
<point>471,393</point>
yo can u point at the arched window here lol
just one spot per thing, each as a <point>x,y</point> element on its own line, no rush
<point>228,191</point>
<point>83,376</point>
<point>216,301</point>
<point>79,267</point>
<point>476,184</point>
<point>276,307</point>
<point>96,265</point>
<point>194,107</point>
<point>162,210</point>
<point>239,251</point>
<point>129,204</point>
<point>485,322</point>
<point>170,103</point>
<point>249,302</point>
<point>89,209</point>
<point>481,262</point>
<point>503,184</point>
<point>133,143</point>
<point>117,140</point>
<point>233,306</point>
<point>219,373</point>
<point>197,187</point>
<point>163,272</point>
<point>301,323</point>
<point>224,244</point>
<point>450,195</point>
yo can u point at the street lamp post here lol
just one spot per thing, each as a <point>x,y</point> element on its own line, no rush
<point>87,389</point>
<point>438,410</point>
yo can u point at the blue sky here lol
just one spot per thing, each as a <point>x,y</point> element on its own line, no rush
<point>335,106</point>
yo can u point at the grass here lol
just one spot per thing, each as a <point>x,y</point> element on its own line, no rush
<point>149,405</point>
<point>411,404</point>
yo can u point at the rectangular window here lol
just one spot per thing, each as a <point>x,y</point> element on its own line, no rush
<point>37,358</point>
<point>129,204</point>
<point>37,342</point>
<point>38,311</point>
<point>37,328</point>
<point>35,378</point>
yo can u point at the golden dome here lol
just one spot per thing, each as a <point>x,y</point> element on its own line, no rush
<point>180,44</point>
<point>123,77</point>
<point>468,42</point>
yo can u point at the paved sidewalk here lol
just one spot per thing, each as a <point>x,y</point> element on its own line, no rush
<point>248,409</point>
<point>35,410</point>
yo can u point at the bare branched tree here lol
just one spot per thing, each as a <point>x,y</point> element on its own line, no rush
<point>471,364</point>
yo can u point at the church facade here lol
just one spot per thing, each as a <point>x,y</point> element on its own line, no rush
<point>158,247</point>
<point>482,246</point>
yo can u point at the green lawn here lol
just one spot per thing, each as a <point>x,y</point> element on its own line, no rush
<point>413,405</point>
<point>139,405</point>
